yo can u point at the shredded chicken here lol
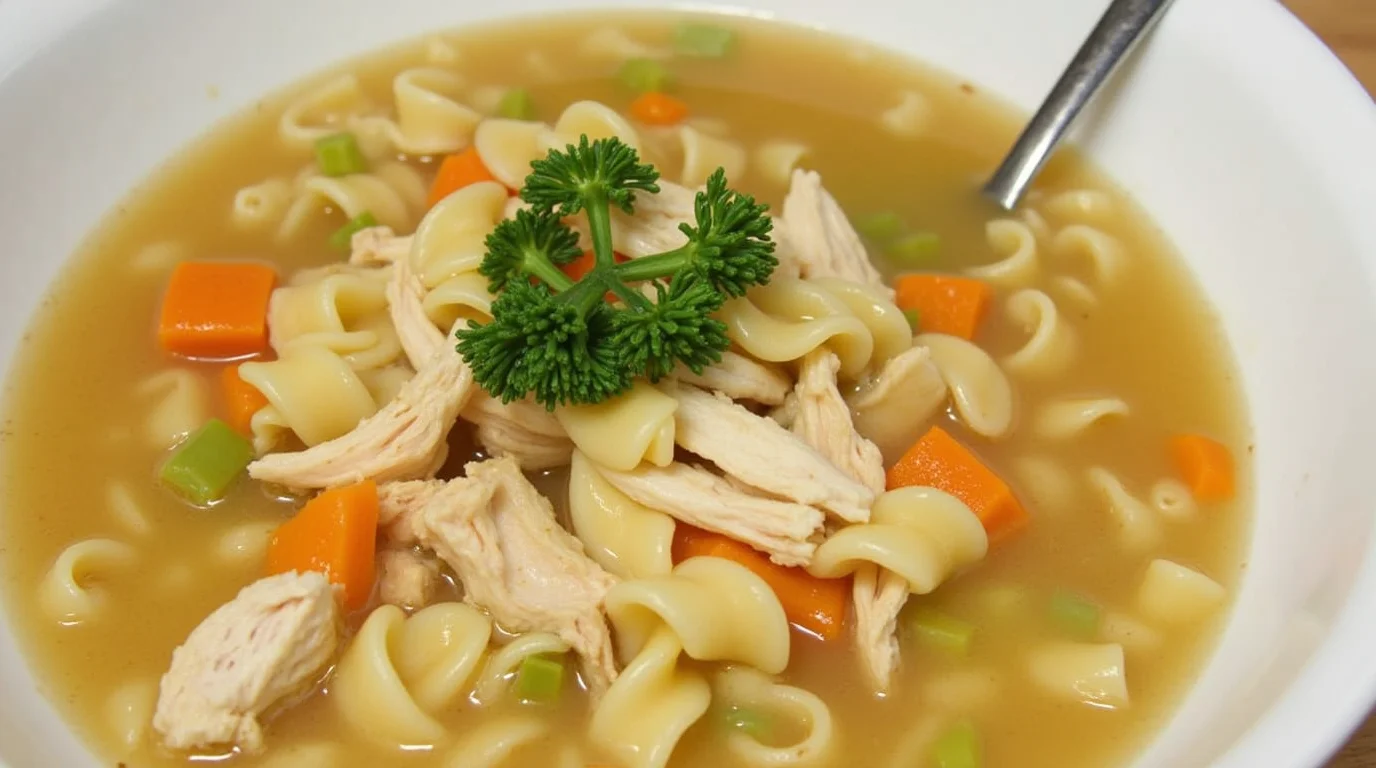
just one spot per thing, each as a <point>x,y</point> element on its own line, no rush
<point>522,429</point>
<point>823,421</point>
<point>895,406</point>
<point>404,440</point>
<point>500,536</point>
<point>879,594</point>
<point>757,450</point>
<point>407,578</point>
<point>740,378</point>
<point>419,337</point>
<point>790,263</point>
<point>655,226</point>
<point>378,245</point>
<point>781,529</point>
<point>821,237</point>
<point>271,641</point>
<point>399,505</point>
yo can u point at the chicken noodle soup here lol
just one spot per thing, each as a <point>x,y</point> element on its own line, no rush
<point>356,439</point>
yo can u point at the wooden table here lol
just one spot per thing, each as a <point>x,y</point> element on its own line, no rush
<point>1349,28</point>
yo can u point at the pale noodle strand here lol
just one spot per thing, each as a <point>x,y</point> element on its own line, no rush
<point>1015,245</point>
<point>626,538</point>
<point>182,405</point>
<point>1066,419</point>
<point>910,118</point>
<point>622,432</point>
<point>752,689</point>
<point>980,390</point>
<point>1051,343</point>
<point>501,667</point>
<point>73,591</point>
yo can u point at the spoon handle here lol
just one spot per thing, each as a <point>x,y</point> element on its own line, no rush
<point>1113,37</point>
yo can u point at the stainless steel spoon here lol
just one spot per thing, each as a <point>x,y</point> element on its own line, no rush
<point>1118,30</point>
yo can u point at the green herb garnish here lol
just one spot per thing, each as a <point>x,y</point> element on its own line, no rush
<point>566,341</point>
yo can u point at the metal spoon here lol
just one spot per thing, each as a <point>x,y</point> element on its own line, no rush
<point>1118,30</point>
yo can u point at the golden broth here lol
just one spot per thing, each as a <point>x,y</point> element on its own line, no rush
<point>80,403</point>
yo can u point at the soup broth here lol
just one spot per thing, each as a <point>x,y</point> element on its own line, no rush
<point>1110,351</point>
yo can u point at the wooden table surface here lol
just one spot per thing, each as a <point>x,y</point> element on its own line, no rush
<point>1349,28</point>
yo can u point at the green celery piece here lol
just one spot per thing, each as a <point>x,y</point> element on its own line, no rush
<point>881,227</point>
<point>958,747</point>
<point>914,318</point>
<point>516,104</point>
<point>644,76</point>
<point>915,250</point>
<point>703,40</point>
<point>1076,614</point>
<point>342,239</point>
<point>751,722</point>
<point>943,631</point>
<point>539,679</point>
<point>338,155</point>
<point>204,465</point>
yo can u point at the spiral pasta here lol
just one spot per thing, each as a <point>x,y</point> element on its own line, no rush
<point>1017,265</point>
<point>501,666</point>
<point>980,391</point>
<point>126,510</point>
<point>709,608</point>
<point>73,591</point>
<point>314,391</point>
<point>1068,418</point>
<point>343,310</point>
<point>399,672</point>
<point>129,712</point>
<point>1051,342</point>
<point>749,688</point>
<point>393,192</point>
<point>182,404</point>
<point>1079,205</point>
<point>628,539</point>
<point>909,118</point>
<point>261,205</point>
<point>490,744</point>
<point>507,147</point>
<point>322,111</point>
<point>1092,254</point>
<point>776,159</point>
<point>703,154</point>
<point>1139,526</point>
<point>626,430</point>
<point>430,119</point>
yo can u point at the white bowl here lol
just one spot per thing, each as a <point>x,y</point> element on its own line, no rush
<point>1240,134</point>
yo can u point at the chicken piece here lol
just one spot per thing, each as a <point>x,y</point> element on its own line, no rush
<point>500,536</point>
<point>823,421</point>
<point>654,228</point>
<point>407,578</point>
<point>740,378</point>
<point>522,429</point>
<point>879,595</point>
<point>404,440</point>
<point>760,452</point>
<point>378,245</point>
<point>271,641</point>
<point>399,507</point>
<point>894,407</point>
<point>781,529</point>
<point>820,236</point>
<point>419,337</point>
<point>790,263</point>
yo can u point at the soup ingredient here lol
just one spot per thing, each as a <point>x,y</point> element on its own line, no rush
<point>216,309</point>
<point>703,40</point>
<point>914,319</point>
<point>751,722</point>
<point>940,461</point>
<point>656,108</point>
<point>824,242</point>
<point>242,400</point>
<point>1205,465</point>
<point>644,75</point>
<point>919,249</point>
<point>949,304</point>
<point>342,239</point>
<point>559,339</point>
<point>942,631</point>
<point>1089,673</point>
<point>204,465</point>
<point>335,534</point>
<point>881,227</point>
<point>456,172</point>
<point>958,747</point>
<point>272,640</point>
<point>516,104</point>
<point>1171,593</point>
<point>816,605</point>
<point>539,680</point>
<point>1075,614</point>
<point>338,155</point>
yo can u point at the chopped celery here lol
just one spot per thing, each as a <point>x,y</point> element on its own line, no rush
<point>704,40</point>
<point>1075,613</point>
<point>516,104</point>
<point>881,227</point>
<point>914,317</point>
<point>338,155</point>
<point>342,239</point>
<point>914,250</point>
<point>644,75</point>
<point>958,747</point>
<point>539,679</point>
<point>751,722</point>
<point>943,631</point>
<point>203,466</point>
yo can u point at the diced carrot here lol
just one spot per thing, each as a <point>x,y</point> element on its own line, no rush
<point>335,534</point>
<point>945,303</point>
<point>1206,465</point>
<point>816,605</point>
<point>656,108</point>
<point>939,461</point>
<point>242,400</point>
<point>216,310</point>
<point>456,172</point>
